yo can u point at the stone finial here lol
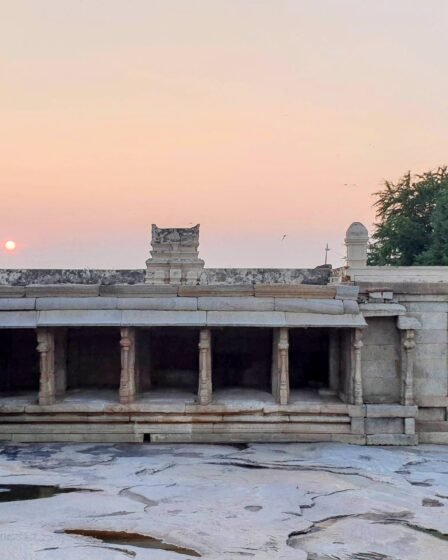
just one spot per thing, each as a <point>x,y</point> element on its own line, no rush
<point>356,240</point>
<point>174,256</point>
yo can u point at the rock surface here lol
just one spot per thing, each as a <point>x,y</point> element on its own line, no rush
<point>295,501</point>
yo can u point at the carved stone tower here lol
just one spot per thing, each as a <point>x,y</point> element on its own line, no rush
<point>174,256</point>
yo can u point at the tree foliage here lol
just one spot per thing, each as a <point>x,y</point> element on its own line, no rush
<point>412,221</point>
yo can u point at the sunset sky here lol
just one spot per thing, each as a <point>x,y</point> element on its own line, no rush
<point>254,118</point>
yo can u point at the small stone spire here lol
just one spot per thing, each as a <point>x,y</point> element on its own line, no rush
<point>174,256</point>
<point>356,240</point>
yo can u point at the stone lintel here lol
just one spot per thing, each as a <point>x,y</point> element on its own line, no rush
<point>406,323</point>
<point>139,290</point>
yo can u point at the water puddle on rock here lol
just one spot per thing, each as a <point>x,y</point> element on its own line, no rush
<point>20,492</point>
<point>132,539</point>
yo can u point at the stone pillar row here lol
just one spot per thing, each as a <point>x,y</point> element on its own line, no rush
<point>52,349</point>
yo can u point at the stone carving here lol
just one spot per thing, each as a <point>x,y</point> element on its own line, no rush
<point>407,367</point>
<point>174,256</point>
<point>205,367</point>
<point>357,369</point>
<point>280,366</point>
<point>127,379</point>
<point>45,348</point>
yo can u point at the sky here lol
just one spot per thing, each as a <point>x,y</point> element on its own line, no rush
<point>255,118</point>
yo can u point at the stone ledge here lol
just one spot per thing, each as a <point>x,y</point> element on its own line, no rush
<point>392,439</point>
<point>48,290</point>
<point>390,411</point>
<point>296,291</point>
<point>12,292</point>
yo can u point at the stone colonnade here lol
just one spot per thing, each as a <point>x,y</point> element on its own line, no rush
<point>52,349</point>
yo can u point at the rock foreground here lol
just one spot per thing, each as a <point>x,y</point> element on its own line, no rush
<point>295,501</point>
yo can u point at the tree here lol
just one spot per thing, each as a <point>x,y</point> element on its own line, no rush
<point>407,213</point>
<point>437,252</point>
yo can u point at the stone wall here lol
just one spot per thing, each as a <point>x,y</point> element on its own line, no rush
<point>381,361</point>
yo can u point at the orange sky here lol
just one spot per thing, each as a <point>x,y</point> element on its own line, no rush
<point>254,118</point>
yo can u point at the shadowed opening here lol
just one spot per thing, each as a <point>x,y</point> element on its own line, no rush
<point>93,358</point>
<point>19,361</point>
<point>308,358</point>
<point>168,358</point>
<point>242,357</point>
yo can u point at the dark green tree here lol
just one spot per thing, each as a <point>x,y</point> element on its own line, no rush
<point>437,252</point>
<point>406,218</point>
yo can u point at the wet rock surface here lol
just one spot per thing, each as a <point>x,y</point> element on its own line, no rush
<point>288,501</point>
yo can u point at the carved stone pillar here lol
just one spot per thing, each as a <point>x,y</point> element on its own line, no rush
<point>205,367</point>
<point>357,367</point>
<point>407,366</point>
<point>47,385</point>
<point>60,358</point>
<point>280,365</point>
<point>127,379</point>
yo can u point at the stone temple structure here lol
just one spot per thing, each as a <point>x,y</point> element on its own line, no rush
<point>178,352</point>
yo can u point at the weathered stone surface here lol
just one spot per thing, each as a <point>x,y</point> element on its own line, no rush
<point>62,303</point>
<point>392,439</point>
<point>298,305</point>
<point>99,317</point>
<point>347,292</point>
<point>390,411</point>
<point>26,277</point>
<point>249,318</point>
<point>138,290</point>
<point>291,291</point>
<point>257,276</point>
<point>432,414</point>
<point>159,303</point>
<point>382,309</point>
<point>384,426</point>
<point>140,318</point>
<point>60,290</point>
<point>18,319</point>
<point>235,304</point>
<point>15,304</point>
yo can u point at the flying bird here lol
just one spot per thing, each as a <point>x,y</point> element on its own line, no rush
<point>283,236</point>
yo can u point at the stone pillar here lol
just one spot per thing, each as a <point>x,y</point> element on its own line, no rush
<point>205,367</point>
<point>45,347</point>
<point>334,360</point>
<point>60,357</point>
<point>128,351</point>
<point>356,240</point>
<point>407,366</point>
<point>280,365</point>
<point>357,367</point>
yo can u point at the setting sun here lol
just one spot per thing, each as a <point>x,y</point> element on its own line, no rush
<point>10,245</point>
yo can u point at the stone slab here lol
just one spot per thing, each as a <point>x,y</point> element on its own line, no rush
<point>138,290</point>
<point>303,305</point>
<point>232,303</point>
<point>74,303</point>
<point>17,304</point>
<point>68,318</point>
<point>216,291</point>
<point>324,320</point>
<point>347,291</point>
<point>12,291</point>
<point>382,309</point>
<point>295,291</point>
<point>159,303</point>
<point>147,318</point>
<point>18,319</point>
<point>433,437</point>
<point>390,411</point>
<point>245,318</point>
<point>392,439</point>
<point>60,290</point>
<point>384,426</point>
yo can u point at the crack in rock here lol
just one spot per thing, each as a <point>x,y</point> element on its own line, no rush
<point>136,497</point>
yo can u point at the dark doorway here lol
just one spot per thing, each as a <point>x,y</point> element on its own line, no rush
<point>308,358</point>
<point>19,361</point>
<point>242,357</point>
<point>168,358</point>
<point>93,358</point>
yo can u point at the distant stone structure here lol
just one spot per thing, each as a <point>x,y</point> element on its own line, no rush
<point>178,352</point>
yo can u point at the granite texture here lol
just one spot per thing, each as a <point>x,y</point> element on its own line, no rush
<point>210,276</point>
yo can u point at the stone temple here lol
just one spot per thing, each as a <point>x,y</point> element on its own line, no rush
<point>178,352</point>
